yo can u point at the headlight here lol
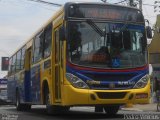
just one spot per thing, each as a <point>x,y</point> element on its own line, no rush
<point>75,81</point>
<point>142,82</point>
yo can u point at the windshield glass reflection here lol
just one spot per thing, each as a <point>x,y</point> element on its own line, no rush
<point>107,45</point>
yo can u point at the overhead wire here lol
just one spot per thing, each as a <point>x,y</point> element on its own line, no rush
<point>21,3</point>
<point>46,2</point>
<point>120,2</point>
<point>40,5</point>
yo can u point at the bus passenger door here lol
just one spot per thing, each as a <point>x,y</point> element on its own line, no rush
<point>57,71</point>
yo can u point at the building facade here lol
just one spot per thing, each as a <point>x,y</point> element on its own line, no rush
<point>154,59</point>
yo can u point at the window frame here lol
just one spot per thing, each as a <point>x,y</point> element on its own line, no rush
<point>34,48</point>
<point>19,59</point>
<point>14,65</point>
<point>23,56</point>
<point>47,30</point>
<point>10,66</point>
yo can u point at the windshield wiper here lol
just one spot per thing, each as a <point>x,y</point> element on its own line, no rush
<point>96,28</point>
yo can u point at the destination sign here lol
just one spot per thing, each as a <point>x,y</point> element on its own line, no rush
<point>105,12</point>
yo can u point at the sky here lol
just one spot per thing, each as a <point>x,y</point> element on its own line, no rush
<point>19,19</point>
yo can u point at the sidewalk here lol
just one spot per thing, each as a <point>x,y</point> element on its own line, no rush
<point>152,107</point>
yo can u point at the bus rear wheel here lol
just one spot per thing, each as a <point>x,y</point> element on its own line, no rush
<point>112,109</point>
<point>19,105</point>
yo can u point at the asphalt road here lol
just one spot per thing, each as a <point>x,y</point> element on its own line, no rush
<point>76,113</point>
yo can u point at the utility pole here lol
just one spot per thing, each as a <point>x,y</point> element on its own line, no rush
<point>140,5</point>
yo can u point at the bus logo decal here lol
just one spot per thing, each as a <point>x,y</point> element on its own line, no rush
<point>93,82</point>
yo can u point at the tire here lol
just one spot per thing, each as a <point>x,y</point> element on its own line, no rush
<point>47,101</point>
<point>54,109</point>
<point>57,110</point>
<point>27,107</point>
<point>111,110</point>
<point>19,105</point>
<point>98,109</point>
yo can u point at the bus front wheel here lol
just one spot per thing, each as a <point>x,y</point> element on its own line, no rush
<point>54,109</point>
<point>112,109</point>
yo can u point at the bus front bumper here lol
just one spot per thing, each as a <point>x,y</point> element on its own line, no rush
<point>82,97</point>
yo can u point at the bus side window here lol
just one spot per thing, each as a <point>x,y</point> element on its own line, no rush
<point>10,66</point>
<point>18,61</point>
<point>22,57</point>
<point>38,47</point>
<point>13,64</point>
<point>47,41</point>
<point>57,46</point>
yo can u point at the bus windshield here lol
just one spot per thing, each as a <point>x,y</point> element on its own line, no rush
<point>106,44</point>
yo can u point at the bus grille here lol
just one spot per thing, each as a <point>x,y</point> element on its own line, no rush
<point>111,95</point>
<point>110,77</point>
<point>106,87</point>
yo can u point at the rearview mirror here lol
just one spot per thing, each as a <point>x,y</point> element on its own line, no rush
<point>149,32</point>
<point>150,69</point>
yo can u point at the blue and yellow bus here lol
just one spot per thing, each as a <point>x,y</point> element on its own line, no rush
<point>88,54</point>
